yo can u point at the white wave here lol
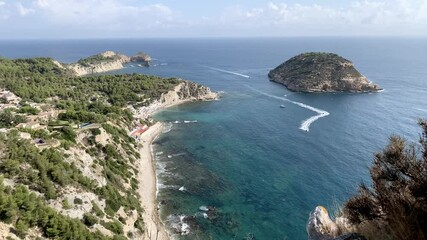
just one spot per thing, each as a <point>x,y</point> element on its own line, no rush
<point>420,109</point>
<point>229,72</point>
<point>188,121</point>
<point>203,208</point>
<point>167,128</point>
<point>305,125</point>
<point>159,153</point>
<point>177,223</point>
<point>182,189</point>
<point>178,154</point>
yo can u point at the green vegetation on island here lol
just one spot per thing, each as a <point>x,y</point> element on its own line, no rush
<point>321,72</point>
<point>96,59</point>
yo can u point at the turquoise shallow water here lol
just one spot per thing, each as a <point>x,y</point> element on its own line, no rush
<point>246,157</point>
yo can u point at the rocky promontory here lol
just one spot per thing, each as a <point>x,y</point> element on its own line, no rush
<point>142,58</point>
<point>185,91</point>
<point>321,72</point>
<point>105,62</point>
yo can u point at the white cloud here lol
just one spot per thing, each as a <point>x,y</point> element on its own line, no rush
<point>363,17</point>
<point>23,11</point>
<point>106,18</point>
<point>103,13</point>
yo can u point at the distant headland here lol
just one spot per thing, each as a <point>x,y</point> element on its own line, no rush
<point>105,62</point>
<point>321,72</point>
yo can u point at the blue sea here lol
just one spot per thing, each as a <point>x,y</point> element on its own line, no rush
<point>246,158</point>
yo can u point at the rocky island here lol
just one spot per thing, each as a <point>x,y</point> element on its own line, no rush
<point>105,62</point>
<point>321,72</point>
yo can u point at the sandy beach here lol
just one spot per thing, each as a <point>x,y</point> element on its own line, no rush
<point>147,186</point>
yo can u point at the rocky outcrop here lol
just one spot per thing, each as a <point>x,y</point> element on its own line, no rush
<point>321,72</point>
<point>142,58</point>
<point>189,91</point>
<point>104,62</point>
<point>80,70</point>
<point>321,227</point>
<point>185,91</point>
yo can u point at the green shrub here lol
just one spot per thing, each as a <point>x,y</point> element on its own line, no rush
<point>9,119</point>
<point>68,134</point>
<point>397,202</point>
<point>28,110</point>
<point>95,131</point>
<point>89,220</point>
<point>65,204</point>
<point>78,201</point>
<point>114,226</point>
<point>97,210</point>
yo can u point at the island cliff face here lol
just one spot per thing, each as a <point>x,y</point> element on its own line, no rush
<point>105,62</point>
<point>321,72</point>
<point>185,91</point>
<point>141,57</point>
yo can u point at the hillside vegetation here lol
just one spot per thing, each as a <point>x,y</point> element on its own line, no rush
<point>396,205</point>
<point>62,181</point>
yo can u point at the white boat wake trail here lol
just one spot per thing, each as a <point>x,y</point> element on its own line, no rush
<point>305,125</point>
<point>230,72</point>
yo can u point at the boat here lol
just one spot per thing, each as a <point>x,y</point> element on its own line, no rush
<point>282,106</point>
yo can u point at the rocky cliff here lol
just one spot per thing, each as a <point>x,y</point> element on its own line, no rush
<point>185,91</point>
<point>142,58</point>
<point>321,72</point>
<point>105,62</point>
<point>321,227</point>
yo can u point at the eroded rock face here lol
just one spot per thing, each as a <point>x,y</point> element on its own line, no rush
<point>80,70</point>
<point>195,91</point>
<point>105,62</point>
<point>183,92</point>
<point>142,58</point>
<point>321,72</point>
<point>321,227</point>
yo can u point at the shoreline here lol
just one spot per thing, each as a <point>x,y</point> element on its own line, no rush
<point>154,227</point>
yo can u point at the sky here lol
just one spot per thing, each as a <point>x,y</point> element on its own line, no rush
<point>23,19</point>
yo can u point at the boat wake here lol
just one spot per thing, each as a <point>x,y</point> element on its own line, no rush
<point>229,72</point>
<point>305,125</point>
<point>420,109</point>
